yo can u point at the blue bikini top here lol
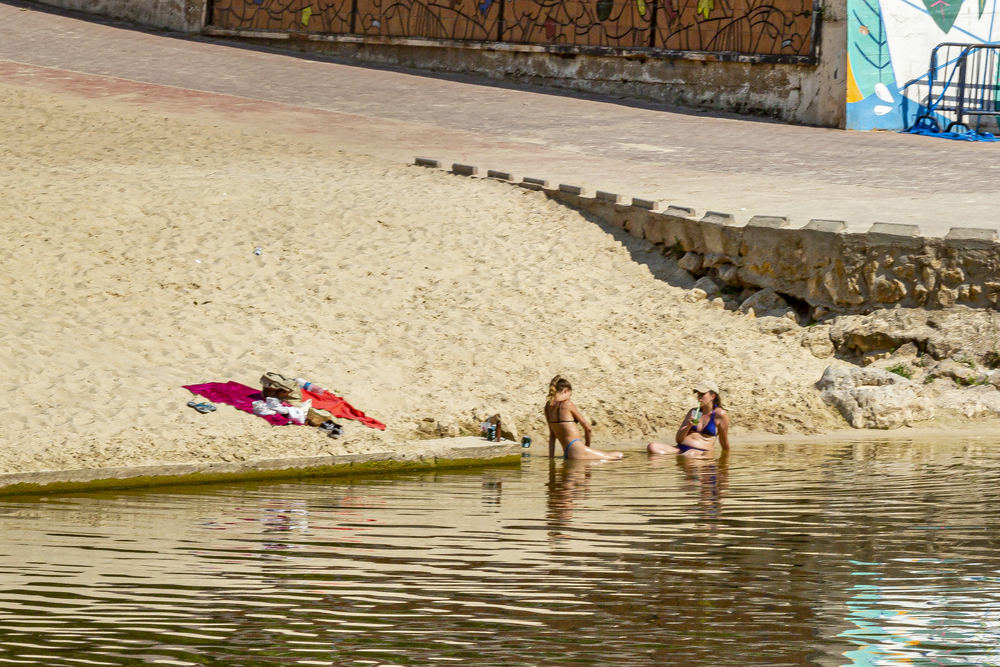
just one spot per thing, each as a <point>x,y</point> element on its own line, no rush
<point>710,428</point>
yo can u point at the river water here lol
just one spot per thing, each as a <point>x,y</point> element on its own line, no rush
<point>823,554</point>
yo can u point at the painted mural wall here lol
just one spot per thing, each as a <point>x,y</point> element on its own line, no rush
<point>758,27</point>
<point>889,45</point>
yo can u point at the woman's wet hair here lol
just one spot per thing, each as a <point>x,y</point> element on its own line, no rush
<point>557,384</point>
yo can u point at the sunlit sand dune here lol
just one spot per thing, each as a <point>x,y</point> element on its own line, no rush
<point>428,300</point>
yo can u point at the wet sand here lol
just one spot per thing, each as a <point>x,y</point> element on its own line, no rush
<point>429,301</point>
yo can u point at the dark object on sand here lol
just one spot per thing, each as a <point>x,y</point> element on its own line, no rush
<point>334,429</point>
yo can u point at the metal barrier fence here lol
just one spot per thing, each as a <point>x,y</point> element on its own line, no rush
<point>963,80</point>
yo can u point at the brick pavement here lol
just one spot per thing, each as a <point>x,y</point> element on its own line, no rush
<point>743,166</point>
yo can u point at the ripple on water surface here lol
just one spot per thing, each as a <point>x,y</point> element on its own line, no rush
<point>833,554</point>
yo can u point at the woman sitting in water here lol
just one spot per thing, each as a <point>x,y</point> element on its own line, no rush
<point>701,425</point>
<point>563,417</point>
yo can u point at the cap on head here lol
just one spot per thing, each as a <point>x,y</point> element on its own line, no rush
<point>706,386</point>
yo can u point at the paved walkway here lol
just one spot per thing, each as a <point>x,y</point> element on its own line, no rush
<point>742,166</point>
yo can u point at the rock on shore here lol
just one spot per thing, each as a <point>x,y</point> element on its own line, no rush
<point>950,355</point>
<point>938,333</point>
<point>874,398</point>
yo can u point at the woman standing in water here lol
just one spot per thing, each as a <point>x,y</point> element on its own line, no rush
<point>697,434</point>
<point>563,418</point>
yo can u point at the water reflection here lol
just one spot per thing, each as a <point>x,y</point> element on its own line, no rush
<point>709,479</point>
<point>945,619</point>
<point>849,554</point>
<point>567,487</point>
<point>492,490</point>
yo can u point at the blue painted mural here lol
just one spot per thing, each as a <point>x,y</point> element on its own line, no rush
<point>889,47</point>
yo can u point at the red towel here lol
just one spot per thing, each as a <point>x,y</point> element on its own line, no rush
<point>237,395</point>
<point>338,407</point>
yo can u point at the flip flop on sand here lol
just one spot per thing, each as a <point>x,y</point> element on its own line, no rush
<point>203,408</point>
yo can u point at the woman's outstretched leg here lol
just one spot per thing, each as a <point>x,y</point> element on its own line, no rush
<point>580,452</point>
<point>660,448</point>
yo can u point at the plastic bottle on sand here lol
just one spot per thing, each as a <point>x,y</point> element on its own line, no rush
<point>310,386</point>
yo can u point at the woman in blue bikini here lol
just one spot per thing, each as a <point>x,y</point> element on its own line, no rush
<point>697,434</point>
<point>563,418</point>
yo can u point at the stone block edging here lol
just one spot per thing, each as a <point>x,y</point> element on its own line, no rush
<point>532,183</point>
<point>822,263</point>
<point>464,169</point>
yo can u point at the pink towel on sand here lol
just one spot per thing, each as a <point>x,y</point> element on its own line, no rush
<point>237,395</point>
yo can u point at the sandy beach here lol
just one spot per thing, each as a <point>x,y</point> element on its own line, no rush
<point>427,300</point>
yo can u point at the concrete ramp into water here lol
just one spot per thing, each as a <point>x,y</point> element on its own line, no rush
<point>445,453</point>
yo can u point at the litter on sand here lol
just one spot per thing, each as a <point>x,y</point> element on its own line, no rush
<point>284,400</point>
<point>237,395</point>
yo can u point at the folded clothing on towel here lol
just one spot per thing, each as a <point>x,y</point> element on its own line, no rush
<point>338,407</point>
<point>237,395</point>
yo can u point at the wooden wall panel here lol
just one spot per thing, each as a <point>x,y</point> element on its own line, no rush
<point>327,16</point>
<point>775,27</point>
<point>751,27</point>
<point>592,23</point>
<point>433,19</point>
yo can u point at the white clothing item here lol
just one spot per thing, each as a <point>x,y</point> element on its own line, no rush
<point>298,413</point>
<point>275,404</point>
<point>262,409</point>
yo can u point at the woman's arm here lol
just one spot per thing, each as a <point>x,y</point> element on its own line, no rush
<point>723,424</point>
<point>582,421</point>
<point>685,428</point>
<point>552,435</point>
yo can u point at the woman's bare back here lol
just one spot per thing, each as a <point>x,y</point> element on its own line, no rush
<point>561,421</point>
<point>563,418</point>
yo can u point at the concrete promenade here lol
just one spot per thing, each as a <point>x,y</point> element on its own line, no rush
<point>742,166</point>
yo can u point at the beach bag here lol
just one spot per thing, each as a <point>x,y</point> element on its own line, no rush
<point>317,417</point>
<point>276,385</point>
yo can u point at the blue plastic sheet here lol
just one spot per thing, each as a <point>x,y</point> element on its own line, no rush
<point>957,136</point>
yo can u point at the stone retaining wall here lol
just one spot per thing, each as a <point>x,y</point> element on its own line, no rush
<point>181,15</point>
<point>810,94</point>
<point>821,263</point>
<point>832,270</point>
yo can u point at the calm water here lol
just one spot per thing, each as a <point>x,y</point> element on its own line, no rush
<point>849,554</point>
